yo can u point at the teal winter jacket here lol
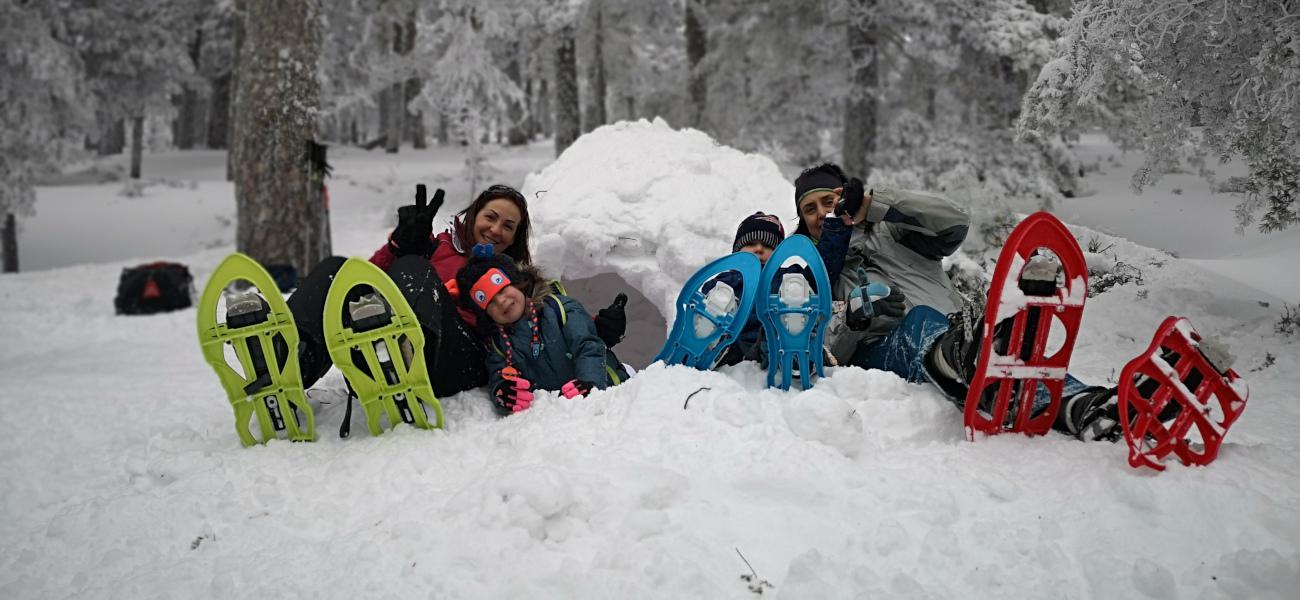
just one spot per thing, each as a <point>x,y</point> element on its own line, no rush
<point>569,348</point>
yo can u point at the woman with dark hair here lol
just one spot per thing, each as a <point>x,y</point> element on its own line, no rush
<point>498,216</point>
<point>419,262</point>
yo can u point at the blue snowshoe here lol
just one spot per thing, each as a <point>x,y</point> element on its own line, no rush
<point>794,313</point>
<point>707,323</point>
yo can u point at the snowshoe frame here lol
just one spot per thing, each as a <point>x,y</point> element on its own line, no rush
<point>682,346</point>
<point>400,401</point>
<point>279,403</point>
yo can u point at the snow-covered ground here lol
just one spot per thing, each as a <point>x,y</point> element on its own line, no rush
<point>121,475</point>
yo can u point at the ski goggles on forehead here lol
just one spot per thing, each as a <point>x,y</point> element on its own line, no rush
<point>487,287</point>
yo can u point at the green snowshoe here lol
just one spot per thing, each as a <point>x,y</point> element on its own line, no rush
<point>379,346</point>
<point>260,329</point>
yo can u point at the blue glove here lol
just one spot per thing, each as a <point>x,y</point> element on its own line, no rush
<point>483,250</point>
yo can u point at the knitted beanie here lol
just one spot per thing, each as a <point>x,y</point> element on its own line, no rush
<point>759,227</point>
<point>478,266</point>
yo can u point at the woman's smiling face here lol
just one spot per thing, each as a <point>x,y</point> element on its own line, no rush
<point>496,224</point>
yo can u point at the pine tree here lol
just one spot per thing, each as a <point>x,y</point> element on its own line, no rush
<point>566,104</point>
<point>1184,80</point>
<point>597,91</point>
<point>135,57</point>
<point>42,108</point>
<point>860,107</point>
<point>697,47</point>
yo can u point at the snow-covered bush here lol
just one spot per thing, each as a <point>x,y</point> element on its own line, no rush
<point>1184,80</point>
<point>1289,323</point>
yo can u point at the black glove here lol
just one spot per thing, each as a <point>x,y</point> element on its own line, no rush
<point>414,232</point>
<point>851,198</point>
<point>611,322</point>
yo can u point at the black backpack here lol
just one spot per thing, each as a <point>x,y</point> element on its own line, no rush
<point>154,288</point>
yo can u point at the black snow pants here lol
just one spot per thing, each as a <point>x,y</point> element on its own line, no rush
<point>453,353</point>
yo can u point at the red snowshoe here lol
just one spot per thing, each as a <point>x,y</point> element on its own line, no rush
<point>1041,277</point>
<point>1174,399</point>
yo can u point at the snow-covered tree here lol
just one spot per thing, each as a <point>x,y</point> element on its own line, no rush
<point>560,18</point>
<point>217,66</point>
<point>42,108</point>
<point>135,56</point>
<point>1183,80</point>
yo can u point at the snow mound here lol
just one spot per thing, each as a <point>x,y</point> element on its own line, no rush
<point>648,202</point>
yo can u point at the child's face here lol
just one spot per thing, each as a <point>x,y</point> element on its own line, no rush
<point>815,206</point>
<point>758,249</point>
<point>507,306</point>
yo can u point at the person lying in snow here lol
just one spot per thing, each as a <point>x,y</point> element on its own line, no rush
<point>900,238</point>
<point>419,263</point>
<point>537,339</point>
<point>498,216</point>
<point>758,234</point>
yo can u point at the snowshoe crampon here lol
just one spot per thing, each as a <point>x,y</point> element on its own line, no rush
<point>794,314</point>
<point>380,348</point>
<point>1178,368</point>
<point>706,324</point>
<point>260,330</point>
<point>1041,279</point>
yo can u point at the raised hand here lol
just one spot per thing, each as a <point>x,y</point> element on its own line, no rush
<point>611,322</point>
<point>414,231</point>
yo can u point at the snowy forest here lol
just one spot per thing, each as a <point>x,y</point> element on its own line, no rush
<point>983,96</point>
<point>333,194</point>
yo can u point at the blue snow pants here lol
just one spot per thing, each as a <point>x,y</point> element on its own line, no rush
<point>903,351</point>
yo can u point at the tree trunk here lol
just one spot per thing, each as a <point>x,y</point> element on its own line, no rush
<point>189,120</point>
<point>232,129</point>
<point>545,118</point>
<point>137,145</point>
<point>529,125</point>
<point>517,133</point>
<point>391,110</point>
<point>112,138</point>
<point>9,239</point>
<point>697,46</point>
<point>444,133</point>
<point>596,115</point>
<point>219,114</point>
<point>415,120</point>
<point>190,115</point>
<point>567,110</point>
<point>276,102</point>
<point>860,117</point>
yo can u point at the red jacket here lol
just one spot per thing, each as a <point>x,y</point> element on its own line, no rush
<point>447,259</point>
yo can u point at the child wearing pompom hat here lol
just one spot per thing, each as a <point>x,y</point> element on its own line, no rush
<point>537,339</point>
<point>759,234</point>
